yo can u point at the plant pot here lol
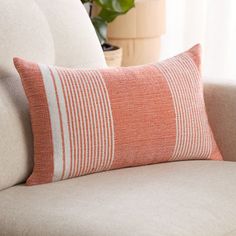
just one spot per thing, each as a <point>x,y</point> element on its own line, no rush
<point>113,55</point>
<point>138,32</point>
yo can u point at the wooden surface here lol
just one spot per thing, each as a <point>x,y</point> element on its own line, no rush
<point>138,32</point>
<point>146,20</point>
<point>138,51</point>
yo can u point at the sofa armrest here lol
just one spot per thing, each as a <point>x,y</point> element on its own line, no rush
<point>220,102</point>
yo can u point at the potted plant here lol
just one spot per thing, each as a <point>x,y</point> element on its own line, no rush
<point>102,12</point>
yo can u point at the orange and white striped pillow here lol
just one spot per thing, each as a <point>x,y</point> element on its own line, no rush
<point>86,121</point>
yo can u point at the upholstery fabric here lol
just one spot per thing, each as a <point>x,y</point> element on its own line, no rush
<point>16,141</point>
<point>24,31</point>
<point>221,108</point>
<point>196,198</point>
<point>62,34</point>
<point>86,121</point>
<point>57,31</point>
<point>75,41</point>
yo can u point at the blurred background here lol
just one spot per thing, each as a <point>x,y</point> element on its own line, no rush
<point>134,32</point>
<point>209,22</point>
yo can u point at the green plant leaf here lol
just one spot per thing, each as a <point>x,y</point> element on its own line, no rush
<point>110,9</point>
<point>108,16</point>
<point>119,6</point>
<point>101,28</point>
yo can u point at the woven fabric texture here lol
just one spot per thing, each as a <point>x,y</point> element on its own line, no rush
<point>86,121</point>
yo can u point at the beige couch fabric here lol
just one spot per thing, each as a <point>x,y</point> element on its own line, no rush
<point>221,108</point>
<point>75,40</point>
<point>177,199</point>
<point>16,143</point>
<point>24,32</point>
<point>55,31</point>
<point>51,32</point>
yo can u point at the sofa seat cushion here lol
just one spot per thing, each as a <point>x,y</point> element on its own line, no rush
<point>178,198</point>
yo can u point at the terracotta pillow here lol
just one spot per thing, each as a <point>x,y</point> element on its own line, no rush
<point>86,121</point>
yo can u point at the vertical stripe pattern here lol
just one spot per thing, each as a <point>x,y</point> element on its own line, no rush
<point>193,136</point>
<point>86,121</point>
<point>83,132</point>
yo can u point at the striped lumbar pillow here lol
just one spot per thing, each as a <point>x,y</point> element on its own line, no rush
<point>85,121</point>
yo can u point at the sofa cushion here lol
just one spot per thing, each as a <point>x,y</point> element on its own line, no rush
<point>51,32</point>
<point>75,41</point>
<point>86,121</point>
<point>24,31</point>
<point>16,142</point>
<point>178,198</point>
<point>48,32</point>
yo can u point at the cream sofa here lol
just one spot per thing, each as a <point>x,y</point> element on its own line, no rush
<point>178,198</point>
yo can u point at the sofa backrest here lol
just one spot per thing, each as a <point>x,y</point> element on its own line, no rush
<point>220,102</point>
<point>52,32</point>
